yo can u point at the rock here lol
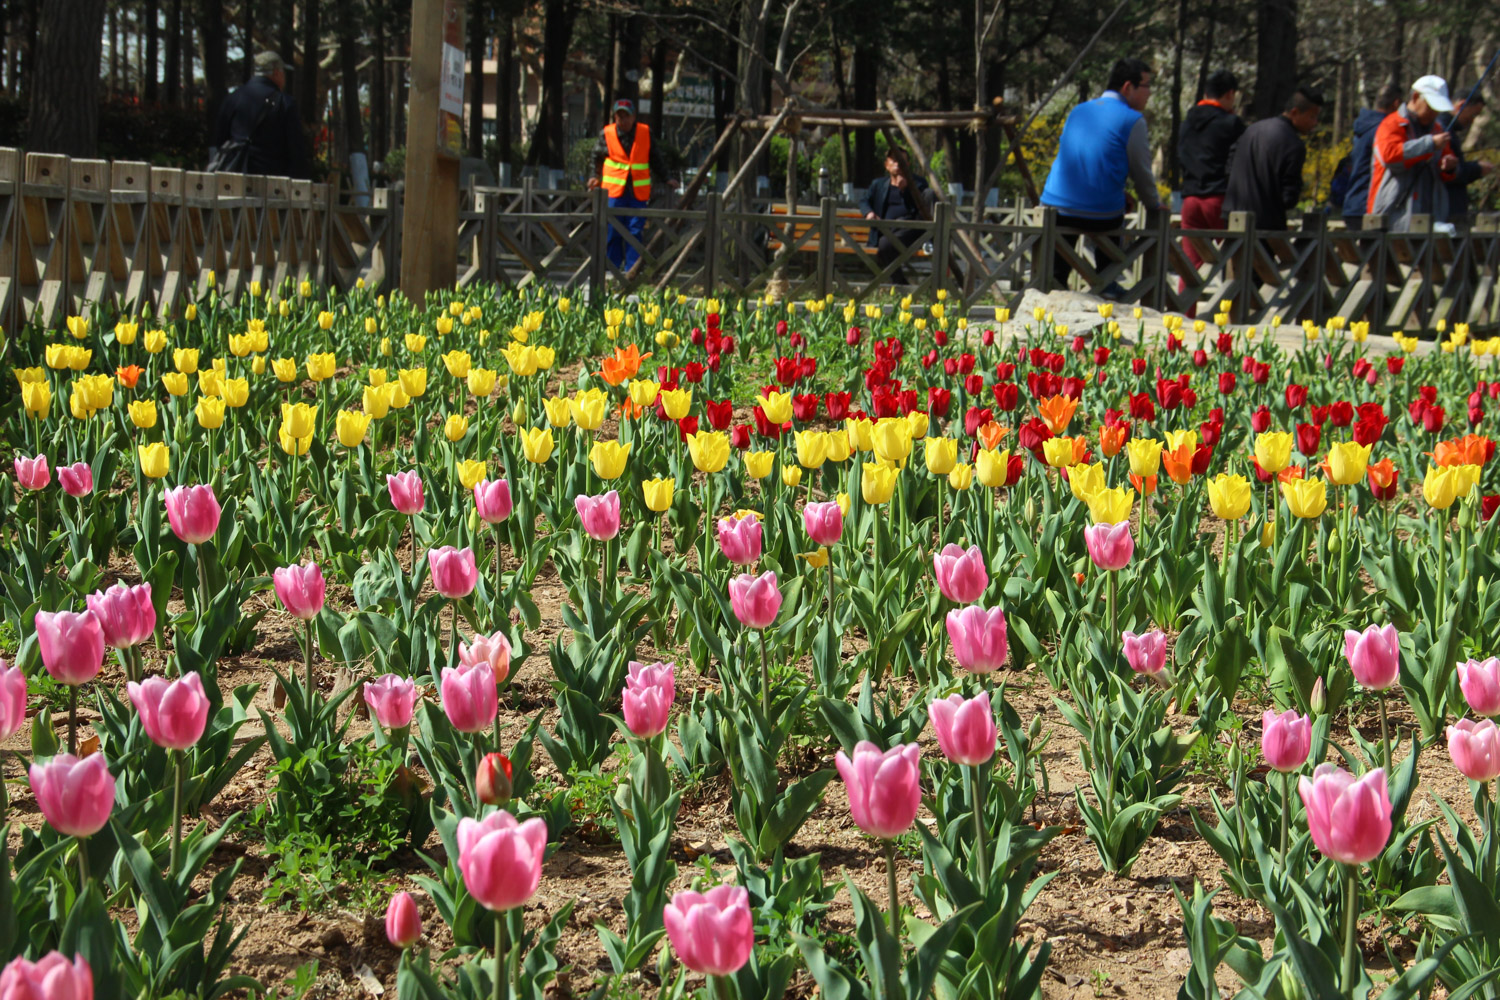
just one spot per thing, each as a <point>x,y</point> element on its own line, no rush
<point>1177,962</point>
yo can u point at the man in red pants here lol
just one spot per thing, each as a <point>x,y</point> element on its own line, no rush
<point>1208,133</point>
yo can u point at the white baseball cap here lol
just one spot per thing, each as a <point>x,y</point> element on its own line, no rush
<point>1435,90</point>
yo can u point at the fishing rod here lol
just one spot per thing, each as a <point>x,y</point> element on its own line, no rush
<point>1479,83</point>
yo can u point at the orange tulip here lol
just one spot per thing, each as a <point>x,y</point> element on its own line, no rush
<point>1382,478</point>
<point>991,434</point>
<point>1471,449</point>
<point>1179,462</point>
<point>1081,450</point>
<point>1291,472</point>
<point>1112,439</point>
<point>1144,485</point>
<point>630,410</point>
<point>129,375</point>
<point>624,365</point>
<point>1057,411</point>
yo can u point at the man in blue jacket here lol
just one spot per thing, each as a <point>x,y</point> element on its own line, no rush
<point>1104,141</point>
<point>1358,192</point>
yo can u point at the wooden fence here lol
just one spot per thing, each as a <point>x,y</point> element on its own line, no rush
<point>76,231</point>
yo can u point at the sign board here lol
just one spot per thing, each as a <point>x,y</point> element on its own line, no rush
<point>693,97</point>
<point>450,136</point>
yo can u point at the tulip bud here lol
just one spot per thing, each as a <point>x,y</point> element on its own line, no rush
<point>1034,732</point>
<point>1335,543</point>
<point>473,520</point>
<point>1030,510</point>
<point>1319,700</point>
<point>1236,758</point>
<point>518,414</point>
<point>492,783</point>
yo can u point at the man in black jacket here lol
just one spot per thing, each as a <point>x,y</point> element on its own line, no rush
<point>1469,171</point>
<point>260,114</point>
<point>897,195</point>
<point>1265,172</point>
<point>1208,134</point>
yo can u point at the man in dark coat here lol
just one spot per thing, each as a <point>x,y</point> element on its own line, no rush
<point>899,194</point>
<point>1469,171</point>
<point>1360,155</point>
<point>1208,134</point>
<point>1265,172</point>
<point>265,117</point>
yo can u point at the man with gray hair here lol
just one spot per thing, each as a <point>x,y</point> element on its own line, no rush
<point>258,130</point>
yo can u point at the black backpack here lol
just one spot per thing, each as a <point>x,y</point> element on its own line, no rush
<point>233,157</point>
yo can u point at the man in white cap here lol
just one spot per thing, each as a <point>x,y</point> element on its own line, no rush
<point>1411,159</point>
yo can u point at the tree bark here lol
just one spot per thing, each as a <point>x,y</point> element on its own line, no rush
<point>354,129</point>
<point>658,86</point>
<point>479,36</point>
<point>1174,165</point>
<point>64,81</point>
<point>114,52</point>
<point>172,82</point>
<point>505,86</point>
<point>286,34</point>
<point>866,71</point>
<point>627,58</point>
<point>307,80</point>
<point>380,91</point>
<point>215,57</point>
<point>549,144</point>
<point>247,35</point>
<point>1275,56</point>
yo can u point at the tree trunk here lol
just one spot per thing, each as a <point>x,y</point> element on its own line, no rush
<point>172,83</point>
<point>479,36</point>
<point>380,96</point>
<point>28,60</point>
<point>1208,57</point>
<point>549,144</point>
<point>1275,56</point>
<point>215,57</point>
<point>307,80</point>
<point>658,87</point>
<point>65,79</point>
<point>1174,165</point>
<point>627,51</point>
<point>505,86</point>
<point>750,64</point>
<point>1396,65</point>
<point>286,34</point>
<point>114,52</point>
<point>354,129</point>
<point>185,59</point>
<point>866,70</point>
<point>247,67</point>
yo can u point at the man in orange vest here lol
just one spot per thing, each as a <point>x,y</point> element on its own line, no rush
<point>623,159</point>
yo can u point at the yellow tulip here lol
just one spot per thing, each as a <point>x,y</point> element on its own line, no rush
<point>709,450</point>
<point>297,419</point>
<point>99,389</point>
<point>1347,462</point>
<point>1440,486</point>
<point>609,458</point>
<point>758,464</point>
<point>545,356</point>
<point>1110,505</point>
<point>777,406</point>
<point>1468,478</point>
<point>791,475</point>
<point>1086,480</point>
<point>1144,455</point>
<point>588,408</point>
<point>839,449</point>
<point>372,326</point>
<point>56,356</point>
<point>125,333</point>
<point>239,345</point>
<point>416,343</point>
<point>455,427</point>
<point>481,382</point>
<point>961,476</point>
<point>1058,452</point>
<point>457,362</point>
<point>991,467</point>
<point>1305,497</point>
<point>812,449</point>
<point>351,426</point>
<point>941,454</point>
<point>154,459</point>
<point>210,382</point>
<point>643,391</point>
<point>156,341</point>
<point>78,326</point>
<point>258,364</point>
<point>235,391</point>
<point>210,412</point>
<point>291,444</point>
<point>559,411</point>
<point>142,413</point>
<point>676,402</point>
<point>37,398</point>
<point>30,375</point>
<point>817,559</point>
<point>536,443</point>
<point>1176,439</point>
<point>523,360</point>
<point>1273,451</point>
<point>79,358</point>
<point>470,471</point>
<point>185,359</point>
<point>890,439</point>
<point>878,483</point>
<point>916,422</point>
<point>861,431</point>
<point>176,383</point>
<point>376,400</point>
<point>321,366</point>
<point>325,320</point>
<point>285,369</point>
<point>378,376</point>
<point>444,325</point>
<point>305,289</point>
<point>413,381</point>
<point>1229,496</point>
<point>658,493</point>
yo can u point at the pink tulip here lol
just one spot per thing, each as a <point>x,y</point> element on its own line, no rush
<point>965,729</point>
<point>884,788</point>
<point>33,473</point>
<point>301,590</point>
<point>961,575</point>
<point>1110,545</point>
<point>193,512</point>
<point>1480,682</point>
<point>980,639</point>
<point>1374,655</point>
<point>453,571</point>
<point>740,539</point>
<point>1285,740</point>
<point>712,932</point>
<point>52,977</point>
<point>72,645</point>
<point>824,522</point>
<point>469,697</point>
<point>125,614</point>
<point>77,480</point>
<point>600,515</point>
<point>405,489</point>
<point>648,698</point>
<point>75,796</point>
<point>1475,749</point>
<point>12,700</point>
<point>1146,654</point>
<point>756,600</point>
<point>391,699</point>
<point>1349,818</point>
<point>403,924</point>
<point>493,649</point>
<point>492,500</point>
<point>173,713</point>
<point>500,859</point>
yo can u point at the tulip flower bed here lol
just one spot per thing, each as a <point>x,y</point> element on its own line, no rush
<point>505,647</point>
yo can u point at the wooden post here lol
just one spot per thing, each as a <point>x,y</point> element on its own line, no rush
<point>429,257</point>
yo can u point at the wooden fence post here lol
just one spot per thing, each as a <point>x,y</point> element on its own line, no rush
<point>1046,249</point>
<point>942,217</point>
<point>827,244</point>
<point>1244,264</point>
<point>712,205</point>
<point>598,269</point>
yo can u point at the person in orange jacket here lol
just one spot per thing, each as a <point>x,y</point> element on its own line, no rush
<point>623,159</point>
<point>1412,160</point>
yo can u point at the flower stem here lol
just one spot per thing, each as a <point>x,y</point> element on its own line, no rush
<point>765,678</point>
<point>1286,807</point>
<point>1351,927</point>
<point>1385,736</point>
<point>83,862</point>
<point>1114,625</point>
<point>895,902</point>
<point>502,983</point>
<point>976,778</point>
<point>73,719</point>
<point>176,814</point>
<point>202,581</point>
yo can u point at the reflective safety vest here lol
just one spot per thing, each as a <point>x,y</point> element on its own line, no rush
<point>633,168</point>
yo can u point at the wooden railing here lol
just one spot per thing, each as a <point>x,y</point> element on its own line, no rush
<point>76,231</point>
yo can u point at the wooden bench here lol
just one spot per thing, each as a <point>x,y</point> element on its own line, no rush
<point>806,220</point>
